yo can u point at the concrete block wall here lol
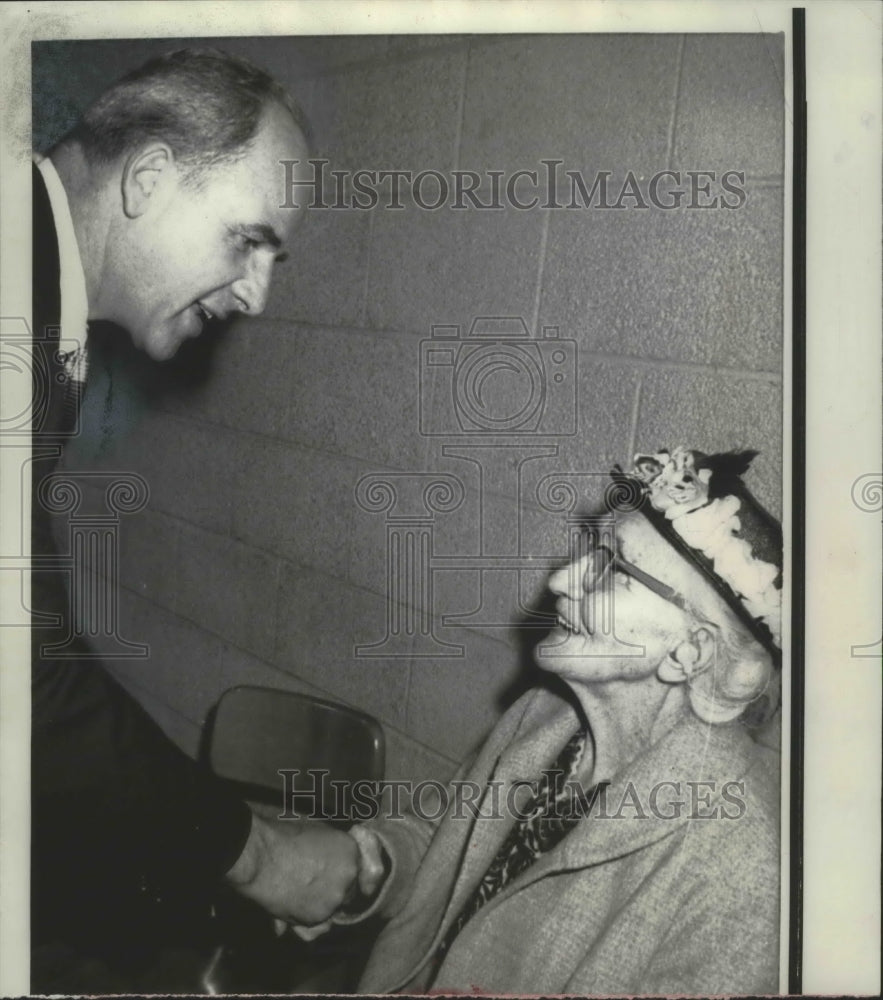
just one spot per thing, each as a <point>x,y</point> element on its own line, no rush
<point>254,562</point>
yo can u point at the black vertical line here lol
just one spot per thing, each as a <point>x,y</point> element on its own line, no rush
<point>798,507</point>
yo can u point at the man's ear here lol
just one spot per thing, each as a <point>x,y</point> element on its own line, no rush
<point>145,174</point>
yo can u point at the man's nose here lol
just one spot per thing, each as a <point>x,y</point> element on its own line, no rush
<point>253,288</point>
<point>568,581</point>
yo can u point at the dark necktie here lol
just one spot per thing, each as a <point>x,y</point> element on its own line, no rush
<point>76,366</point>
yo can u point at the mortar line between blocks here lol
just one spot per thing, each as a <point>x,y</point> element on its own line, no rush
<point>310,98</point>
<point>363,306</point>
<point>692,367</point>
<point>402,58</point>
<point>766,181</point>
<point>673,122</point>
<point>277,606</point>
<point>541,270</point>
<point>461,108</point>
<point>636,412</point>
<point>151,695</point>
<point>272,664</point>
<point>417,741</point>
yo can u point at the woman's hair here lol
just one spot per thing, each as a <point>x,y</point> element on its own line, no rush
<point>204,103</point>
<point>741,680</point>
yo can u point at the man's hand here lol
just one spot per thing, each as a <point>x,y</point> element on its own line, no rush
<point>301,872</point>
<point>372,872</point>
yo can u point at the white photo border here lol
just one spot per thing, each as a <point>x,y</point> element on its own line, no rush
<point>842,779</point>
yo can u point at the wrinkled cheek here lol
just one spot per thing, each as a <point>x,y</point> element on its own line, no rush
<point>626,623</point>
<point>650,646</point>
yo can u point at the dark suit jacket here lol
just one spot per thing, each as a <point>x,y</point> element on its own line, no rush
<point>127,831</point>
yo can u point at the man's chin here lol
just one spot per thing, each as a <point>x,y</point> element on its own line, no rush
<point>162,351</point>
<point>163,345</point>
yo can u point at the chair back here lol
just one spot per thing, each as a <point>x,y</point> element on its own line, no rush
<point>259,731</point>
<point>255,733</point>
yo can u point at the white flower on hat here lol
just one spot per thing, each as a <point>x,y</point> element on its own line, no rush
<point>678,485</point>
<point>675,485</point>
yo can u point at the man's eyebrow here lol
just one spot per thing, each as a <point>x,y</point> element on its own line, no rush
<point>263,232</point>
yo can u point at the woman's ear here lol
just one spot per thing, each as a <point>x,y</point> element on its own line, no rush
<point>691,661</point>
<point>689,658</point>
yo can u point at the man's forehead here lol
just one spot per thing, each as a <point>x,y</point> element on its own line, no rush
<point>254,204</point>
<point>278,134</point>
<point>278,141</point>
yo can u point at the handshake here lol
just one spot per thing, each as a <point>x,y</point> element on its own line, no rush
<point>305,873</point>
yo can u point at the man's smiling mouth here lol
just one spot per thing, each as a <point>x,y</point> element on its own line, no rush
<point>204,313</point>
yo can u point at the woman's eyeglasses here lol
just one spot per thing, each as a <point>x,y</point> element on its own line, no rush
<point>604,558</point>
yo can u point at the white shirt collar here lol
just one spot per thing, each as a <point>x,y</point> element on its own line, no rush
<point>72,279</point>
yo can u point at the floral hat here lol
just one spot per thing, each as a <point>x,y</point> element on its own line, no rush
<point>700,504</point>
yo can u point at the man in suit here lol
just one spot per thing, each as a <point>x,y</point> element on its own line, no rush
<point>159,213</point>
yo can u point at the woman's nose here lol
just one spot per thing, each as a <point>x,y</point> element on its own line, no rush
<point>568,581</point>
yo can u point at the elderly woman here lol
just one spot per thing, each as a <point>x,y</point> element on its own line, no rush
<point>640,853</point>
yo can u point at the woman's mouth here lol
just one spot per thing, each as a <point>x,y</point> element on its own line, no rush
<point>567,622</point>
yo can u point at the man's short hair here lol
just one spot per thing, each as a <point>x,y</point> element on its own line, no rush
<point>206,104</point>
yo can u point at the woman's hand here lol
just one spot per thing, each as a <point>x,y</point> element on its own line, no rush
<point>372,870</point>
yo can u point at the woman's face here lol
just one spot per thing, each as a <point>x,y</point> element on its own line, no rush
<point>611,626</point>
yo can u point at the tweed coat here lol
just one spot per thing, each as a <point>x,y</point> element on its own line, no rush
<point>633,903</point>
